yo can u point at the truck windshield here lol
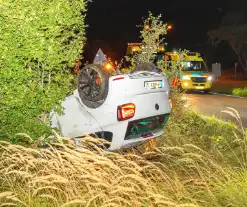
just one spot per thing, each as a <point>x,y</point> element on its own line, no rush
<point>193,66</point>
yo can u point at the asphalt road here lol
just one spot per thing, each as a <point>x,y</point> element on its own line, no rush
<point>210,104</point>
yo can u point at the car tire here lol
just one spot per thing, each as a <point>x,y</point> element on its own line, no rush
<point>93,84</point>
<point>147,67</point>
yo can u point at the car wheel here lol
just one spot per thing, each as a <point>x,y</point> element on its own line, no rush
<point>93,82</point>
<point>147,67</point>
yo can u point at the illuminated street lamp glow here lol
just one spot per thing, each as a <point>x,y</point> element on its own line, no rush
<point>169,27</point>
<point>147,27</point>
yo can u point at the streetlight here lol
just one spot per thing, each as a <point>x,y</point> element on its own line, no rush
<point>147,27</point>
<point>169,27</point>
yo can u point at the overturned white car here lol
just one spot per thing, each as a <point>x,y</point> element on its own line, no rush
<point>126,110</point>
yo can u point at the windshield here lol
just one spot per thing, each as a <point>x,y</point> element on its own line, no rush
<point>194,66</point>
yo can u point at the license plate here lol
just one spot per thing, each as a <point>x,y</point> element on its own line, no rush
<point>199,87</point>
<point>153,84</point>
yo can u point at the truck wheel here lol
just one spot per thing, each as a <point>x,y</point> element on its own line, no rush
<point>93,82</point>
<point>147,67</point>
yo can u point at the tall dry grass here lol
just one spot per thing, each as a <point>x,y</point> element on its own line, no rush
<point>67,175</point>
<point>200,162</point>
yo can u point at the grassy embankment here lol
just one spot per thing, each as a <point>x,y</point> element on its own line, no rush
<point>227,84</point>
<point>200,161</point>
<point>242,92</point>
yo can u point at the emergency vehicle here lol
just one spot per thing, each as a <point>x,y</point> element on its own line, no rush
<point>194,74</point>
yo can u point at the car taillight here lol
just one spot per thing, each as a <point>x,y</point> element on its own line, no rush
<point>126,111</point>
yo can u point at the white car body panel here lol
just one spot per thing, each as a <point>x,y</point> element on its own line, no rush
<point>79,120</point>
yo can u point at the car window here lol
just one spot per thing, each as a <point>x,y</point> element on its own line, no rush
<point>193,66</point>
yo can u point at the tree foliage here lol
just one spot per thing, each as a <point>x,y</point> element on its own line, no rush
<point>39,42</point>
<point>153,31</point>
<point>233,29</point>
<point>152,36</point>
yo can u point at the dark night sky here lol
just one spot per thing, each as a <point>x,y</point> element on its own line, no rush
<point>112,23</point>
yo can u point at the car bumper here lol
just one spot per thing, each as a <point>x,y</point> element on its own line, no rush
<point>139,131</point>
<point>190,85</point>
<point>135,142</point>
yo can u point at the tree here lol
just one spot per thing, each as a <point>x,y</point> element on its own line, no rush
<point>152,36</point>
<point>153,31</point>
<point>233,30</point>
<point>39,42</point>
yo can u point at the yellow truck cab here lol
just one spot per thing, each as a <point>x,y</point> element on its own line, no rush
<point>137,47</point>
<point>133,48</point>
<point>194,74</point>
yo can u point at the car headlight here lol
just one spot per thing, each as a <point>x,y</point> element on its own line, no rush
<point>210,78</point>
<point>186,77</point>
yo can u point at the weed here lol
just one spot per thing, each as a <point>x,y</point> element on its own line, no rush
<point>240,92</point>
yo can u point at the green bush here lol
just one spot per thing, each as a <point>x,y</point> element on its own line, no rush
<point>240,92</point>
<point>40,41</point>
